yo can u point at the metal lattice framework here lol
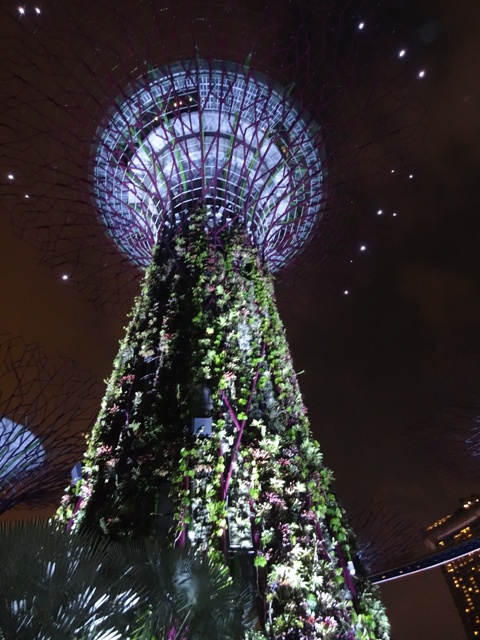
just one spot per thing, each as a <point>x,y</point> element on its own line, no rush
<point>70,81</point>
<point>41,398</point>
<point>386,538</point>
<point>213,135</point>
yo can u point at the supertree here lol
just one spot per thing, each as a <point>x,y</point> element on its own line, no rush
<point>41,395</point>
<point>213,131</point>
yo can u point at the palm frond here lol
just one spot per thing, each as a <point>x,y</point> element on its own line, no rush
<point>59,586</point>
<point>191,596</point>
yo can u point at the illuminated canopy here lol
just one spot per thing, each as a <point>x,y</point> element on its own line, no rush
<point>20,452</point>
<point>214,135</point>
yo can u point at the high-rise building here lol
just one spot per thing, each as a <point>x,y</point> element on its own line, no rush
<point>462,575</point>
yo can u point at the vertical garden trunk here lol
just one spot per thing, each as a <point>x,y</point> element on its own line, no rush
<point>203,439</point>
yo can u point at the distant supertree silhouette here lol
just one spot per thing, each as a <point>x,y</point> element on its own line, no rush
<point>44,406</point>
<point>213,140</point>
<point>385,538</point>
<point>450,441</point>
<point>447,434</point>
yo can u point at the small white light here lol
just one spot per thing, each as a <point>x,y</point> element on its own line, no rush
<point>379,212</point>
<point>410,176</point>
<point>26,195</point>
<point>361,25</point>
<point>11,176</point>
<point>37,10</point>
<point>64,277</point>
<point>21,10</point>
<point>394,215</point>
<point>363,248</point>
<point>392,171</point>
<point>401,53</point>
<point>345,292</point>
<point>421,74</point>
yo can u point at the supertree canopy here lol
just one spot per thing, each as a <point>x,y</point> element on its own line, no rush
<point>214,135</point>
<point>205,134</point>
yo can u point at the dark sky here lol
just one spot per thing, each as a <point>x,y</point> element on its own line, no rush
<point>396,363</point>
<point>391,368</point>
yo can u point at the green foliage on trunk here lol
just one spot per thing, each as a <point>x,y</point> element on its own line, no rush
<point>206,324</point>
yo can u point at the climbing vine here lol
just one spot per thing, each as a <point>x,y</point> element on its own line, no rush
<point>203,438</point>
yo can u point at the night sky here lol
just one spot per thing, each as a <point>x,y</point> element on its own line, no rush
<point>390,368</point>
